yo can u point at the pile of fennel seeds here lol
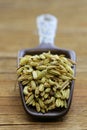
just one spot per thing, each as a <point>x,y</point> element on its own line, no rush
<point>46,79</point>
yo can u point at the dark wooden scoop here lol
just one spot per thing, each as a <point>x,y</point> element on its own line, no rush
<point>45,46</point>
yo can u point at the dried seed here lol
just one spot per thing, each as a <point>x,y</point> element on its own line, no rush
<point>46,95</point>
<point>48,101</point>
<point>54,88</point>
<point>43,80</point>
<point>59,103</point>
<point>54,62</point>
<point>25,90</point>
<point>37,107</point>
<point>54,72</point>
<point>33,64</point>
<point>41,87</point>
<point>64,59</point>
<point>65,93</point>
<point>33,85</point>
<point>42,67</point>
<point>71,61</point>
<point>34,73</point>
<point>42,56</point>
<point>65,104</point>
<point>25,82</point>
<point>53,106</point>
<point>26,97</point>
<point>51,82</point>
<point>69,69</point>
<point>46,61</point>
<point>65,84</point>
<point>41,74</point>
<point>30,99</point>
<point>37,91</point>
<point>27,71</point>
<point>21,78</point>
<point>58,94</point>
<point>56,57</point>
<point>33,103</point>
<point>47,90</point>
<point>42,93</point>
<point>58,86</point>
<point>36,58</point>
<point>24,60</point>
<point>24,77</point>
<point>46,85</point>
<point>61,68</point>
<point>49,76</point>
<point>42,110</point>
<point>47,55</point>
<point>51,67</point>
<point>41,103</point>
<point>30,89</point>
<point>64,77</point>
<point>19,71</point>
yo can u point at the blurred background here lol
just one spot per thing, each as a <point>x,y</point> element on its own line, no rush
<point>18,27</point>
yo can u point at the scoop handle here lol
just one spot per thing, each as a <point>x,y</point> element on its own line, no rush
<point>47,25</point>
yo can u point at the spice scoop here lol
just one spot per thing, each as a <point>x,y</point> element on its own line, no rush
<point>47,25</point>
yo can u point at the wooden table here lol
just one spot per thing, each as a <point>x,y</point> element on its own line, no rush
<point>18,31</point>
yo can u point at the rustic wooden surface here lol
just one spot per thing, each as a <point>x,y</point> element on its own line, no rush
<point>17,31</point>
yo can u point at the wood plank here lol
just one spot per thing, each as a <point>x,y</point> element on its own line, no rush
<point>13,109</point>
<point>8,85</point>
<point>43,127</point>
<point>67,122</point>
<point>71,118</point>
<point>8,65</point>
<point>10,101</point>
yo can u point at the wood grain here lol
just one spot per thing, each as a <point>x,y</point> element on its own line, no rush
<point>18,31</point>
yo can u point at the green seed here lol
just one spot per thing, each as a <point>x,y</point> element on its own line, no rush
<point>65,93</point>
<point>47,90</point>
<point>30,99</point>
<point>34,73</point>
<point>54,72</point>
<point>53,106</point>
<point>24,60</point>
<point>58,94</point>
<point>43,80</point>
<point>41,87</point>
<point>25,90</point>
<point>43,110</point>
<point>46,96</point>
<point>41,103</point>
<point>37,91</point>
<point>42,67</point>
<point>33,84</point>
<point>59,103</point>
<point>37,107</point>
<point>19,71</point>
<point>65,84</point>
